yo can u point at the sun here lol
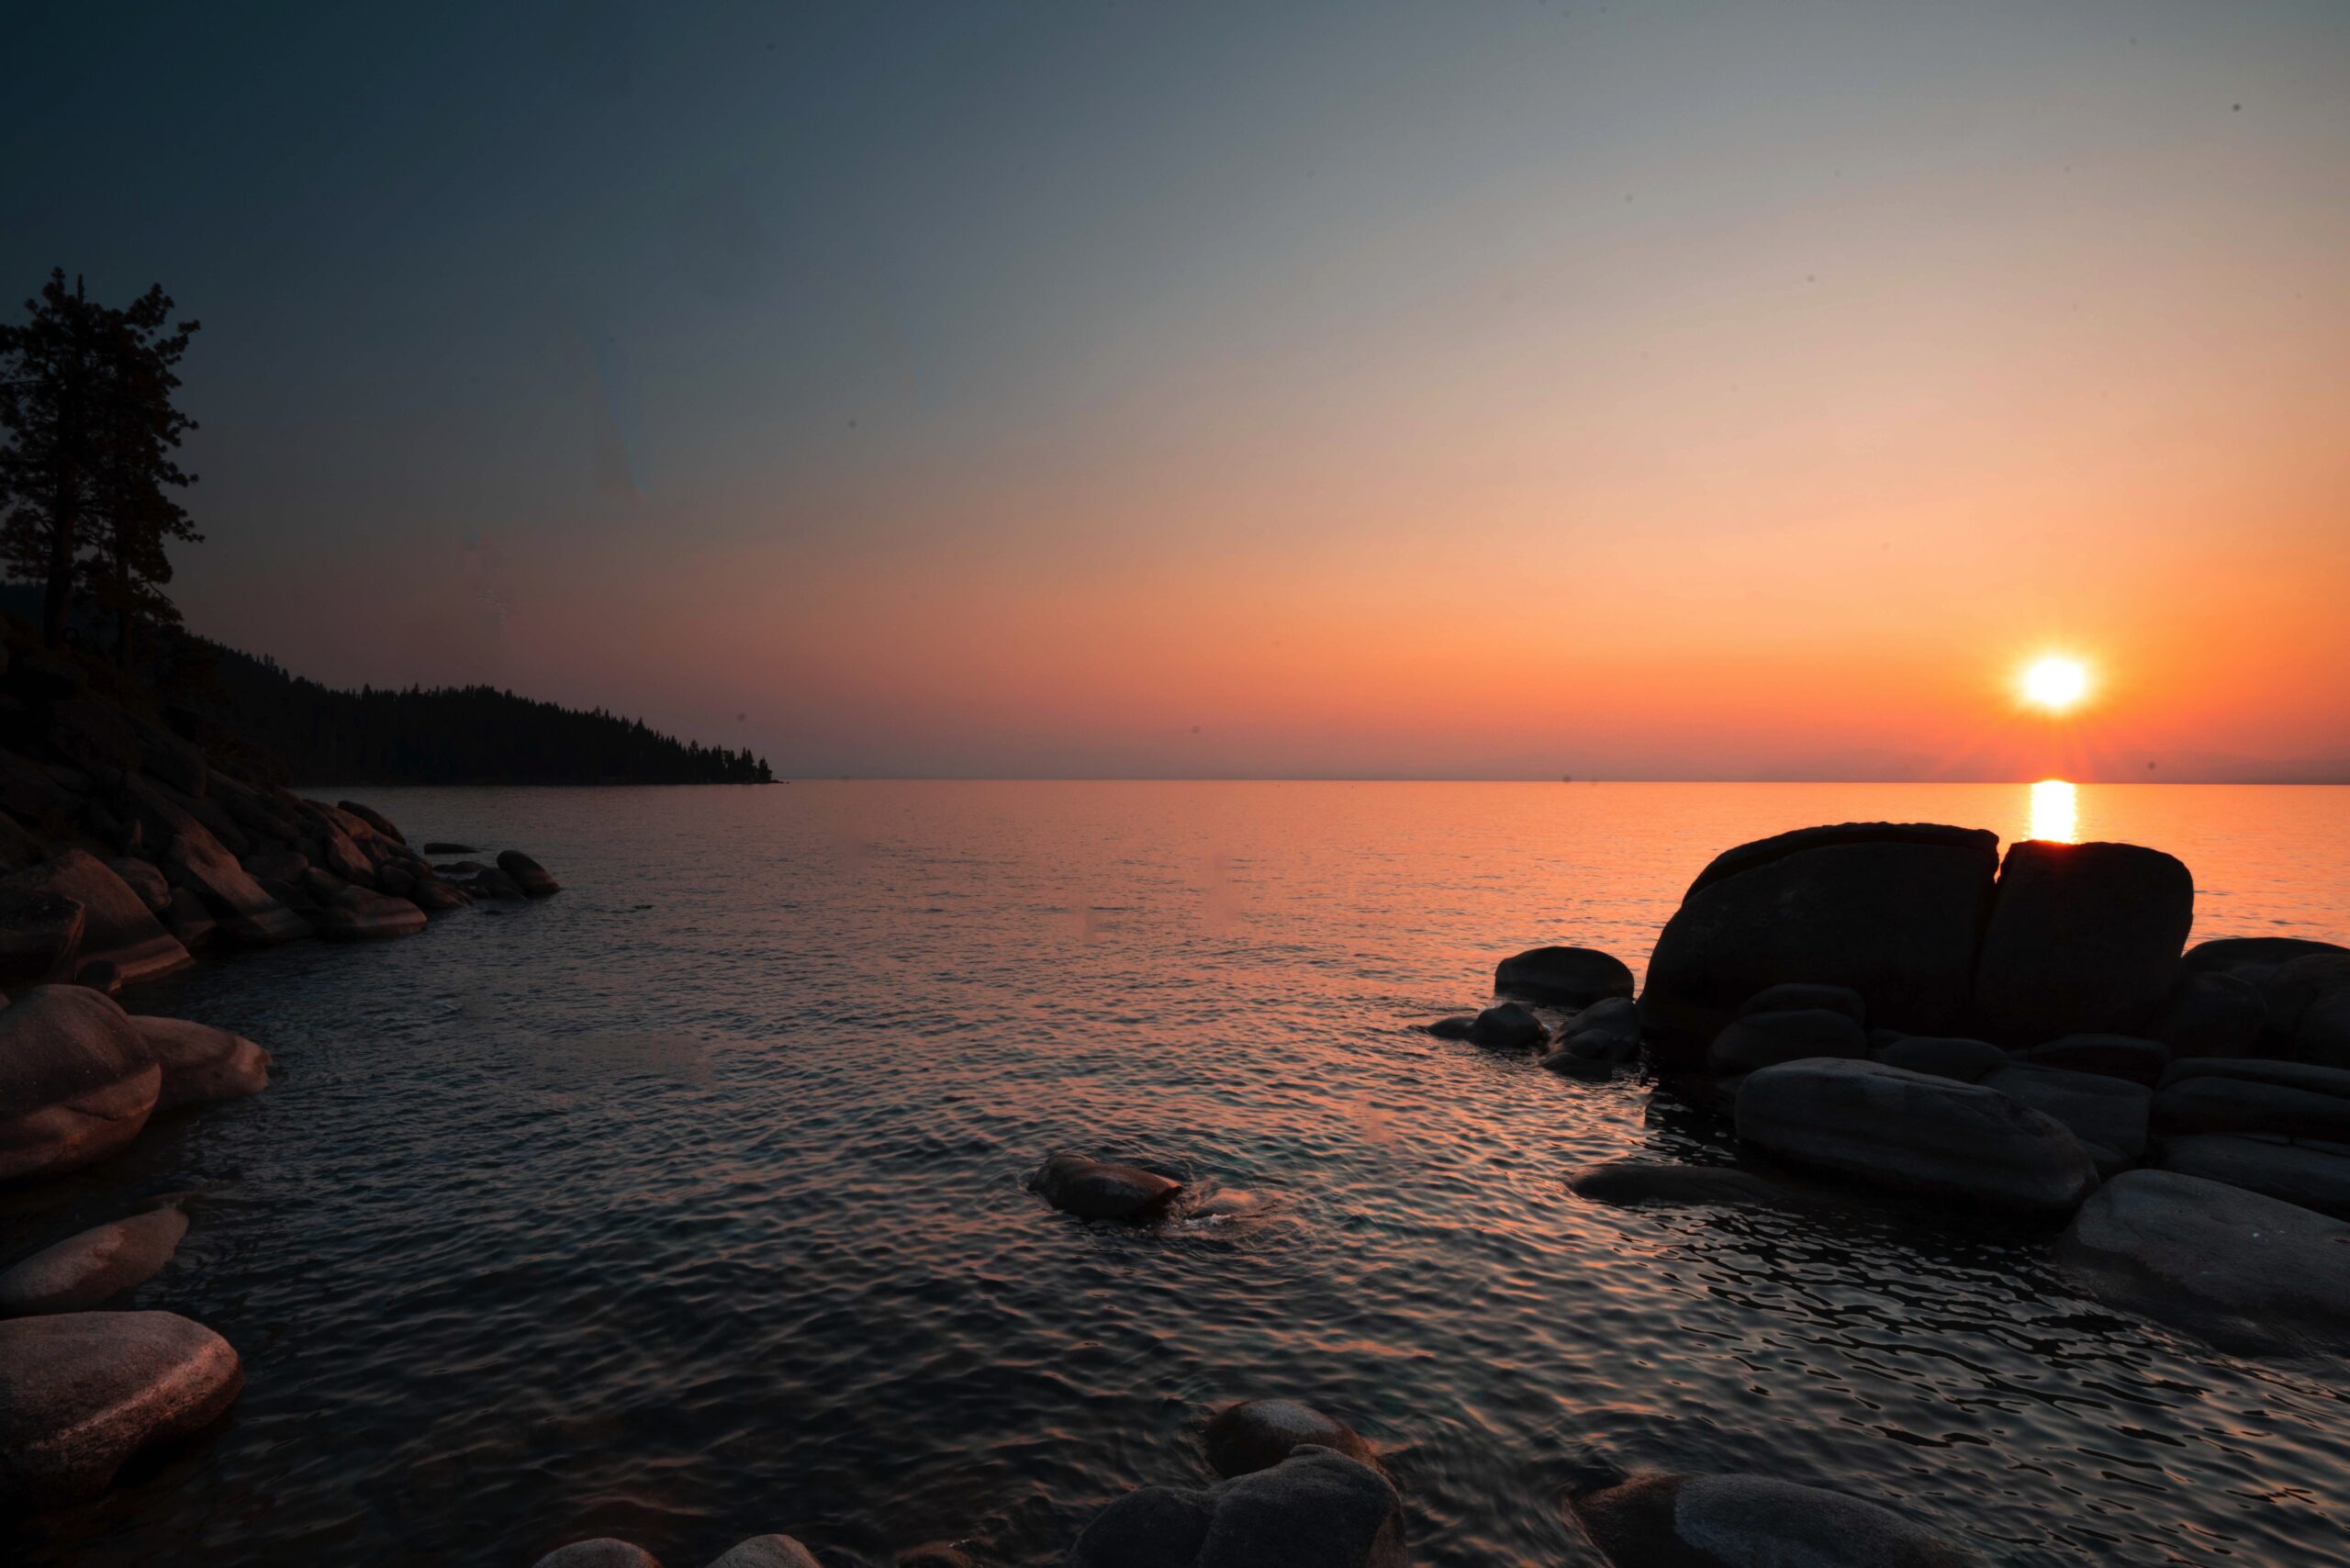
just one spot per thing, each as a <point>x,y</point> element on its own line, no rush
<point>2056,683</point>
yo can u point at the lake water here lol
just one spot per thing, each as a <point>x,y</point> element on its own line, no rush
<point>689,1204</point>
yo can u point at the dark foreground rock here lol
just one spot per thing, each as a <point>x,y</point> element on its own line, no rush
<point>1258,1434</point>
<point>1765,1039</point>
<point>1752,1521</point>
<point>1093,1190</point>
<point>767,1552</point>
<point>1315,1510</point>
<point>1889,910</point>
<point>528,874</point>
<point>1564,977</point>
<point>2313,1177</point>
<point>76,1082</point>
<point>2114,1055</point>
<point>2083,939</point>
<point>85,1270</point>
<point>603,1552</point>
<point>1603,1035</point>
<point>82,1392</point>
<point>41,935</point>
<point>2209,1015</point>
<point>1864,1122</point>
<point>2107,1114</point>
<point>2251,1274</point>
<point>2253,1095</point>
<point>1640,1183</point>
<point>1943,1056</point>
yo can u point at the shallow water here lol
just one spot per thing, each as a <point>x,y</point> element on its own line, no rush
<point>689,1204</point>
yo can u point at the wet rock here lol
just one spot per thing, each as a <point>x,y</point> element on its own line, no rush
<point>2252,1273</point>
<point>2113,1056</point>
<point>2209,1015</point>
<point>374,819</point>
<point>117,923</point>
<point>603,1552</point>
<point>41,935</point>
<point>1258,1434</point>
<point>143,879</point>
<point>527,874</point>
<point>1508,1026</point>
<point>767,1552</point>
<point>1455,1026</point>
<point>493,884</point>
<point>1891,910</point>
<point>1765,1039</point>
<point>1754,1521</point>
<point>1315,1510</point>
<point>201,1064</point>
<point>247,916</point>
<point>1093,1190</point>
<point>2083,939</point>
<point>433,895</point>
<point>2287,1099</point>
<point>2107,1114</point>
<point>2297,1173</point>
<point>1605,1031</point>
<point>1798,997</point>
<point>440,846</point>
<point>1566,977</point>
<point>81,1392</point>
<point>85,1270</point>
<point>1861,1120</point>
<point>76,1082</point>
<point>356,914</point>
<point>935,1554</point>
<point>1943,1056</point>
<point>1638,1184</point>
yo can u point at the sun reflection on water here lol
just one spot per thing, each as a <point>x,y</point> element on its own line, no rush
<point>2055,811</point>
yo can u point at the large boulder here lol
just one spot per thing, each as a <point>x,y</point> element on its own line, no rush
<point>40,936</point>
<point>117,923</point>
<point>1889,909</point>
<point>2314,1178</point>
<point>2107,1114</point>
<point>1314,1509</point>
<point>1752,1521</point>
<point>1765,1039</point>
<point>2083,939</point>
<point>141,878</point>
<point>85,1270</point>
<point>81,1392</point>
<point>1943,1056</point>
<point>76,1082</point>
<point>1564,977</point>
<point>1864,1122</point>
<point>1258,1434</point>
<point>2252,1273</point>
<point>201,1064</point>
<point>1093,1189</point>
<point>356,914</point>
<point>248,917</point>
<point>527,874</point>
<point>2282,1099</point>
<point>2210,1014</point>
<point>374,819</point>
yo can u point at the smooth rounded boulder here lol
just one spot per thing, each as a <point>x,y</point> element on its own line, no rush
<point>765,1551</point>
<point>2084,939</point>
<point>359,915</point>
<point>528,874</point>
<point>76,1081</point>
<point>1090,1189</point>
<point>1889,910</point>
<point>1910,1132</point>
<point>1603,1035</point>
<point>1314,1509</point>
<point>2113,1056</point>
<point>603,1552</point>
<point>1765,1039</point>
<point>82,1392</point>
<point>2304,1174</point>
<point>2283,1099</point>
<point>2252,1273</point>
<point>2107,1114</point>
<point>201,1064</point>
<point>87,1270</point>
<point>1942,1056</point>
<point>246,914</point>
<point>40,936</point>
<point>1507,1026</point>
<point>1563,976</point>
<point>1258,1434</point>
<point>1754,1521</point>
<point>117,923</point>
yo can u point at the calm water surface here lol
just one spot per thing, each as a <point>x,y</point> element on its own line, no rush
<point>689,1204</point>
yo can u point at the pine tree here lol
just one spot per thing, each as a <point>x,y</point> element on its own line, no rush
<point>139,430</point>
<point>48,377</point>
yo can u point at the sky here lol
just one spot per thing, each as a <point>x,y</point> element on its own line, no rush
<point>1486,389</point>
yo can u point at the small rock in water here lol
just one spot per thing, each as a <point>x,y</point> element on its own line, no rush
<point>1093,1190</point>
<point>528,874</point>
<point>601,1552</point>
<point>1258,1434</point>
<point>441,846</point>
<point>1572,977</point>
<point>1458,1026</point>
<point>83,1270</point>
<point>1507,1026</point>
<point>1752,1521</point>
<point>1605,1031</point>
<point>767,1552</point>
<point>493,884</point>
<point>81,1392</point>
<point>1314,1509</point>
<point>1631,1183</point>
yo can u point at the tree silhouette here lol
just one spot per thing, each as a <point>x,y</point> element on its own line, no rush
<point>46,394</point>
<point>138,430</point>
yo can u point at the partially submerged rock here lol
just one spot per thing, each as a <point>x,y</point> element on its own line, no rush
<point>1508,1026</point>
<point>81,1392</point>
<point>1258,1434</point>
<point>87,1270</point>
<point>76,1081</point>
<point>1604,1036</point>
<point>528,874</point>
<point>201,1064</point>
<point>442,846</point>
<point>2083,938</point>
<point>1637,1183</point>
<point>1566,977</point>
<point>1754,1521</point>
<point>1315,1510</point>
<point>1093,1190</point>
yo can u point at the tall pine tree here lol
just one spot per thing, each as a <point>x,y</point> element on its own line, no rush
<point>139,430</point>
<point>48,374</point>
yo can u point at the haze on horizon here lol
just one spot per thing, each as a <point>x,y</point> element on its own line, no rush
<point>1506,389</point>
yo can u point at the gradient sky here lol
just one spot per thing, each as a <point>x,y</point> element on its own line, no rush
<point>1482,389</point>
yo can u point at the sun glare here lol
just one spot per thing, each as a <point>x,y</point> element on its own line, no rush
<point>2056,683</point>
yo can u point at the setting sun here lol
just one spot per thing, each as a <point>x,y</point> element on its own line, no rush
<point>2056,683</point>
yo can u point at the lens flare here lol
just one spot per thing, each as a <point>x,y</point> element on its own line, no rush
<point>2056,683</point>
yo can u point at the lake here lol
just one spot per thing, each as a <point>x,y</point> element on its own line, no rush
<point>689,1204</point>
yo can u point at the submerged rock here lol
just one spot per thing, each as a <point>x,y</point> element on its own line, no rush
<point>201,1064</point>
<point>81,1392</point>
<point>76,1082</point>
<point>767,1552</point>
<point>1943,1056</point>
<point>86,1270</point>
<point>1258,1434</point>
<point>2299,1173</point>
<point>493,883</point>
<point>1570,976</point>
<point>1093,1190</point>
<point>2083,939</point>
<point>1314,1509</point>
<point>603,1552</point>
<point>528,874</point>
<point>1864,1122</point>
<point>2107,1114</point>
<point>1765,1039</point>
<point>1507,1026</point>
<point>1754,1521</point>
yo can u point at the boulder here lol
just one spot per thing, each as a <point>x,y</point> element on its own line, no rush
<point>2107,1114</point>
<point>1890,911</point>
<point>190,924</point>
<point>2252,1273</point>
<point>1942,1056</point>
<point>2250,958</point>
<point>41,935</point>
<point>85,1270</point>
<point>101,975</point>
<point>1765,1039</point>
<point>2284,1099</point>
<point>1566,977</point>
<point>340,855</point>
<point>1754,1521</point>
<point>1454,1026</point>
<point>76,1082</point>
<point>247,916</point>
<point>2299,1173</point>
<point>1315,1510</point>
<point>1258,1434</point>
<point>767,1552</point>
<point>202,1064</point>
<point>1637,1183</point>
<point>356,914</point>
<point>117,923</point>
<point>141,878</point>
<point>374,819</point>
<point>1606,1034</point>
<point>2324,1035</point>
<point>1093,1190</point>
<point>2291,990</point>
<point>1798,997</point>
<point>397,880</point>
<point>433,895</point>
<point>1861,1120</point>
<point>935,1554</point>
<point>2115,1056</point>
<point>2210,1014</point>
<point>527,874</point>
<point>1508,1026</point>
<point>603,1552</point>
<point>2083,939</point>
<point>441,846</point>
<point>493,884</point>
<point>276,863</point>
<point>81,1392</point>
